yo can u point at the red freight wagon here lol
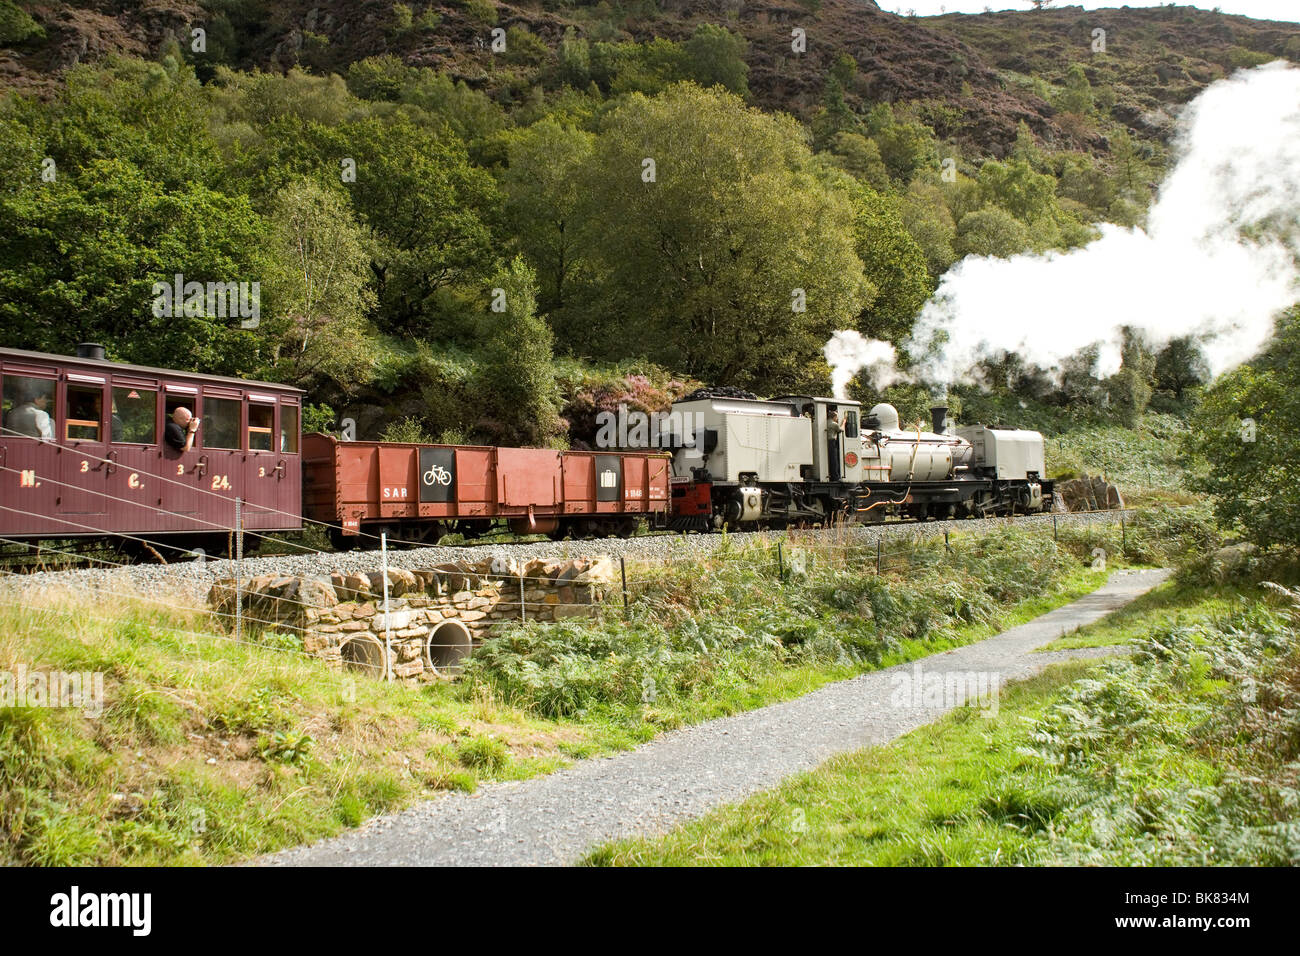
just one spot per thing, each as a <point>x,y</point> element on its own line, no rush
<point>420,492</point>
<point>82,453</point>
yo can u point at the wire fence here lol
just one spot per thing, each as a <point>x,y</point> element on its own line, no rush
<point>246,616</point>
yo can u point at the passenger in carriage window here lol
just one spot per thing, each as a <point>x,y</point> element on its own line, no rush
<point>180,431</point>
<point>28,416</point>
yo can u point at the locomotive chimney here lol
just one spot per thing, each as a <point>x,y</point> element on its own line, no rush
<point>939,419</point>
<point>90,350</point>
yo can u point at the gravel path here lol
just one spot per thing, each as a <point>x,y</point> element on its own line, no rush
<point>557,818</point>
<point>191,580</point>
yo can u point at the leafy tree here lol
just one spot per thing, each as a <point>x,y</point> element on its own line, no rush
<point>1077,95</point>
<point>79,257</point>
<point>1130,388</point>
<point>732,262</point>
<point>991,231</point>
<point>1247,435</point>
<point>904,146</point>
<point>716,57</point>
<point>860,157</point>
<point>927,220</point>
<point>1015,187</point>
<point>320,287</point>
<point>518,364</point>
<point>1181,366</point>
<point>1084,182</point>
<point>892,262</point>
<point>16,26</point>
<point>416,189</point>
<point>834,116</point>
<point>542,203</point>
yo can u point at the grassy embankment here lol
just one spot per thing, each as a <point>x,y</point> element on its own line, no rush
<point>1185,753</point>
<point>209,751</point>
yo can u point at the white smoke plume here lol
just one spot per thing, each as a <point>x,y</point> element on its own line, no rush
<point>1218,256</point>
<point>848,352</point>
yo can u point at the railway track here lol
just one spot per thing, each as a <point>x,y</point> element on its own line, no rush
<point>193,578</point>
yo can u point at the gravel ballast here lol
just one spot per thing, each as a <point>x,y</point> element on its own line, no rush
<point>188,582</point>
<point>556,819</point>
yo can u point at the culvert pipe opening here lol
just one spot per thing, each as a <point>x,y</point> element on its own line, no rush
<point>448,645</point>
<point>363,653</point>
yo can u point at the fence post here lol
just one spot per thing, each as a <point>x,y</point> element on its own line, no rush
<point>388,619</point>
<point>523,615</point>
<point>1123,534</point>
<point>239,569</point>
<point>780,562</point>
<point>878,546</point>
<point>622,570</point>
<point>946,546</point>
<point>1055,536</point>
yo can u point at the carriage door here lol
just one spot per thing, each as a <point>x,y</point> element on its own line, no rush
<point>83,498</point>
<point>133,453</point>
<point>181,473</point>
<point>263,464</point>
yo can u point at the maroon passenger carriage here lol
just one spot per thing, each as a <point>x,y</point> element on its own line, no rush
<point>104,468</point>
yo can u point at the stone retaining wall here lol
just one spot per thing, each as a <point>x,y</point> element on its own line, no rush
<point>435,615</point>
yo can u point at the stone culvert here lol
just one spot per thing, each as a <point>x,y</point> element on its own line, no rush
<point>435,618</point>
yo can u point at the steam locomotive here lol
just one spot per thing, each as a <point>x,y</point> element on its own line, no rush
<point>743,461</point>
<point>83,455</point>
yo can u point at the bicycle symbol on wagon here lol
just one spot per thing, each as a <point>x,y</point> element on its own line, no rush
<point>437,475</point>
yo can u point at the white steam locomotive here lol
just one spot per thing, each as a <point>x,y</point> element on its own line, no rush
<point>740,461</point>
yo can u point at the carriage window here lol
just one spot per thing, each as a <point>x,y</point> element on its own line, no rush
<point>135,416</point>
<point>220,426</point>
<point>28,406</point>
<point>289,429</point>
<point>261,427</point>
<point>85,410</point>
<point>850,424</point>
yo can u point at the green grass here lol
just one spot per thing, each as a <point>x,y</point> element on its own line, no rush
<point>209,751</point>
<point>1184,754</point>
<point>922,800</point>
<point>1171,603</point>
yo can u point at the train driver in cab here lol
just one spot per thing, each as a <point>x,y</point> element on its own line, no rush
<point>180,431</point>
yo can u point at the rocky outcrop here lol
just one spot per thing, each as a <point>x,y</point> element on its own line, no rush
<point>1088,493</point>
<point>435,616</point>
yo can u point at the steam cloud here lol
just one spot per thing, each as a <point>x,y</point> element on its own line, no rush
<point>848,352</point>
<point>1218,256</point>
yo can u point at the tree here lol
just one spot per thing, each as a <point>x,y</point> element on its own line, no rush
<point>417,190</point>
<point>542,200</point>
<point>1077,95</point>
<point>893,263</point>
<point>320,287</point>
<point>1019,190</point>
<point>1246,433</point>
<point>721,254</point>
<point>991,231</point>
<point>927,219</point>
<point>518,371</point>
<point>860,157</point>
<point>1130,388</point>
<point>716,57</point>
<point>905,147</point>
<point>79,258</point>
<point>1181,366</point>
